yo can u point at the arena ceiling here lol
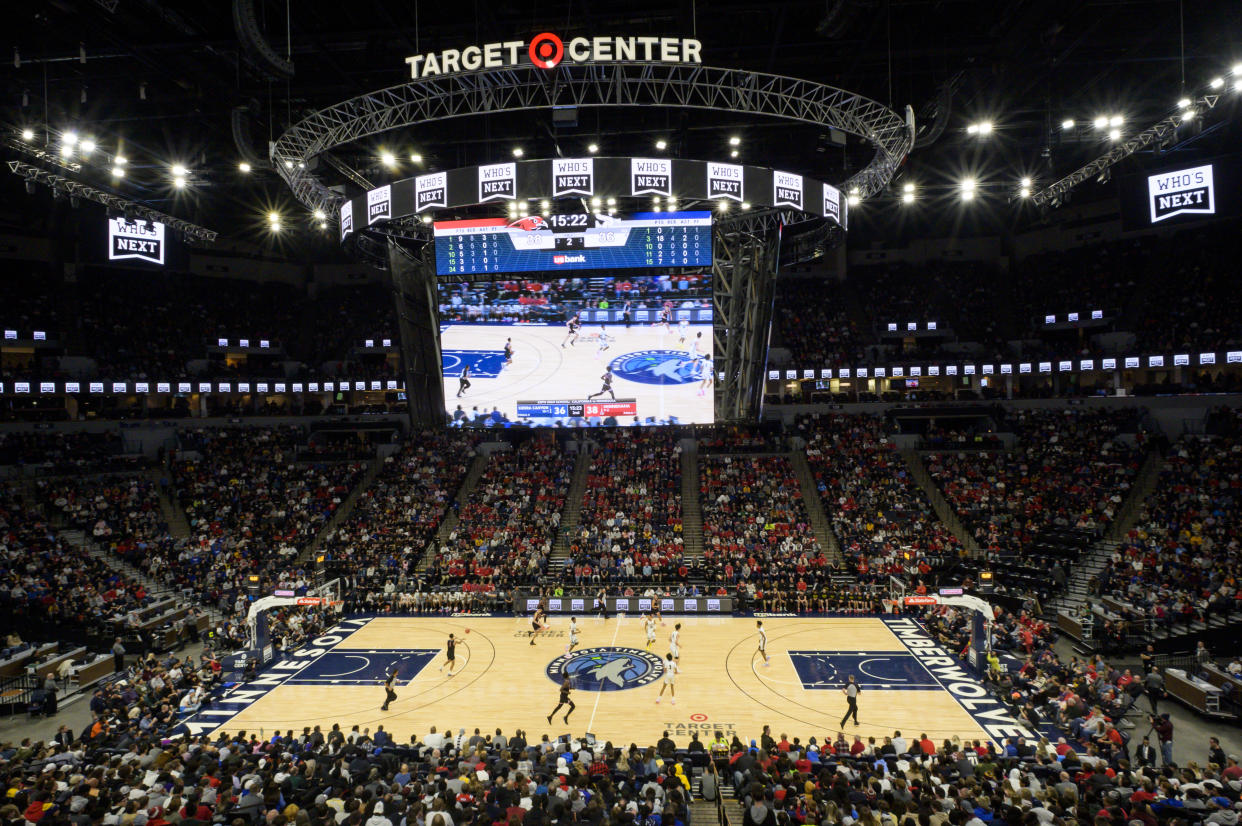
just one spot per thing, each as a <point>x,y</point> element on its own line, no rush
<point>167,82</point>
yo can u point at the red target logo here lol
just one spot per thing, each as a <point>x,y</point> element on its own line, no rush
<point>698,718</point>
<point>546,50</point>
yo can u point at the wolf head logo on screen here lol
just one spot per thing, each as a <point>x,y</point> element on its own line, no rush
<point>1181,192</point>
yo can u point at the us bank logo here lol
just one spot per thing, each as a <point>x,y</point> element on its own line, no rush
<point>657,367</point>
<point>607,668</point>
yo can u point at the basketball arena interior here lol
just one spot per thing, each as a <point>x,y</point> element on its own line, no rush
<point>698,413</point>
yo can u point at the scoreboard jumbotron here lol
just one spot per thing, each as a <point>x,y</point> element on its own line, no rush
<point>573,241</point>
<point>577,408</point>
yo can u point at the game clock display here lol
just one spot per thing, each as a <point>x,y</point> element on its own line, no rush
<point>580,241</point>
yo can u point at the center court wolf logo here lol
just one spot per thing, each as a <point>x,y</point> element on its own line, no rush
<point>607,668</point>
<point>657,367</point>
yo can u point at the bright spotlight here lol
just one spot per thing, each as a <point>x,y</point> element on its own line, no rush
<point>517,152</point>
<point>66,151</point>
<point>118,172</point>
<point>968,188</point>
<point>415,157</point>
<point>854,199</point>
<point>596,202</point>
<point>612,202</point>
<point>735,141</point>
<point>120,160</point>
<point>27,134</point>
<point>593,148</point>
<point>274,226</point>
<point>69,138</point>
<point>661,144</point>
<point>426,219</point>
<point>1068,123</point>
<point>273,217</point>
<point>388,159</point>
<point>87,146</point>
<point>1237,69</point>
<point>178,170</point>
<point>1026,183</point>
<point>1100,122</point>
<point>319,216</point>
<point>1114,134</point>
<point>985,127</point>
<point>723,206</point>
<point>1116,120</point>
<point>1188,115</point>
<point>1184,103</point>
<point>1025,192</point>
<point>179,182</point>
<point>1237,86</point>
<point>745,204</point>
<point>1217,82</point>
<point>733,154</point>
<point>323,224</point>
<point>973,129</point>
<point>288,164</point>
<point>244,167</point>
<point>907,188</point>
<point>907,197</point>
<point>546,205</point>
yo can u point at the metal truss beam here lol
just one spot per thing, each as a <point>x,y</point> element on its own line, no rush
<point>588,85</point>
<point>743,287</point>
<point>76,189</point>
<point>1152,136</point>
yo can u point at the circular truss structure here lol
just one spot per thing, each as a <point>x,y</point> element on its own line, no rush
<point>591,85</point>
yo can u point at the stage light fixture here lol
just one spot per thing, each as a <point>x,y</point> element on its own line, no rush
<point>27,134</point>
<point>69,138</point>
<point>853,199</point>
<point>319,216</point>
<point>723,206</point>
<point>1025,192</point>
<point>907,197</point>
<point>1100,122</point>
<point>1116,120</point>
<point>288,164</point>
<point>1026,182</point>
<point>733,154</point>
<point>612,202</point>
<point>66,151</point>
<point>426,219</point>
<point>1217,82</point>
<point>323,224</point>
<point>968,189</point>
<point>593,148</point>
<point>273,217</point>
<point>1237,86</point>
<point>984,127</point>
<point>661,144</point>
<point>244,168</point>
<point>178,170</point>
<point>1237,69</point>
<point>120,160</point>
<point>274,226</point>
<point>388,159</point>
<point>547,205</point>
<point>1188,115</point>
<point>1068,123</point>
<point>118,172</point>
<point>87,146</point>
<point>735,141</point>
<point>745,205</point>
<point>415,157</point>
<point>596,202</point>
<point>907,188</point>
<point>179,182</point>
<point>612,211</point>
<point>1114,134</point>
<point>1184,103</point>
<point>517,152</point>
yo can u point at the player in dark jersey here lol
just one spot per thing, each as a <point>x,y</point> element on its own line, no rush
<point>390,693</point>
<point>666,318</point>
<point>571,331</point>
<point>463,381</point>
<point>626,315</point>
<point>450,654</point>
<point>508,351</point>
<point>564,701</point>
<point>607,388</point>
<point>537,622</point>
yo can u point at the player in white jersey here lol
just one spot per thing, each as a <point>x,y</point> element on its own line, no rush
<point>650,626</point>
<point>674,640</point>
<point>573,635</point>
<point>683,328</point>
<point>605,341</point>
<point>705,374</point>
<point>763,642</point>
<point>671,668</point>
<point>695,349</point>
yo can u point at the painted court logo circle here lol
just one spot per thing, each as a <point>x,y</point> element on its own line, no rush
<point>657,367</point>
<point>607,668</point>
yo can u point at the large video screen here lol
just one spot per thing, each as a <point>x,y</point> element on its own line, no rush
<point>1204,190</point>
<point>577,241</point>
<point>573,352</point>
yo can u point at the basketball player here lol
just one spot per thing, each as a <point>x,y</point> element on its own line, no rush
<point>537,623</point>
<point>705,374</point>
<point>390,693</point>
<point>509,351</point>
<point>674,649</point>
<point>564,701</point>
<point>571,331</point>
<point>625,314</point>
<point>695,350</point>
<point>683,327</point>
<point>670,679</point>
<point>763,643</point>
<point>605,341</point>
<point>450,652</point>
<point>656,614</point>
<point>573,635</point>
<point>666,318</point>
<point>650,626</point>
<point>607,388</point>
<point>463,380</point>
<point>601,603</point>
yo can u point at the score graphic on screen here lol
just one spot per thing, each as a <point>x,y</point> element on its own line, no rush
<point>581,241</point>
<point>589,350</point>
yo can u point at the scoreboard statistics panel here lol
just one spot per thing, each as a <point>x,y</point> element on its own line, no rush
<point>581,241</point>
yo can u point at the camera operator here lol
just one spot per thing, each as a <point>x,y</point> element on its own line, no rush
<point>1164,730</point>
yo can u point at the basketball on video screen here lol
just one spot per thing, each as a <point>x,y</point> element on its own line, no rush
<point>578,351</point>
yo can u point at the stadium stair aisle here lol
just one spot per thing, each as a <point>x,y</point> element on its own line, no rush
<point>815,507</point>
<point>572,514</point>
<point>691,512</point>
<point>478,466</point>
<point>1132,508</point>
<point>178,525</point>
<point>154,588</point>
<point>342,513</point>
<point>918,472</point>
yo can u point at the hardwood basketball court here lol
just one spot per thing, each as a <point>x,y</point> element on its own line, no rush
<point>504,682</point>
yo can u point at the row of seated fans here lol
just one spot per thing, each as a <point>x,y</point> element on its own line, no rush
<point>509,522</point>
<point>1189,302</point>
<point>630,523</point>
<point>882,519</point>
<point>136,327</point>
<point>1180,562</point>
